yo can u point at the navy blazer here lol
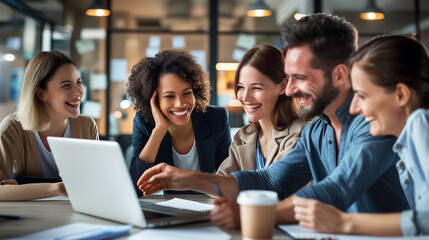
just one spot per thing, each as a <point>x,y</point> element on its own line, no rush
<point>212,139</point>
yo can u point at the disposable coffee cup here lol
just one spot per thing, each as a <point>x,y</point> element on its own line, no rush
<point>257,214</point>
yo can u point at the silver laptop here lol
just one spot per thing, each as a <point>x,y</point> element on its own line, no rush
<point>98,183</point>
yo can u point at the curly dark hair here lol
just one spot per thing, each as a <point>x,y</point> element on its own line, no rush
<point>144,79</point>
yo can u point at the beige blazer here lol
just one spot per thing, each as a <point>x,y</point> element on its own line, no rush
<point>242,152</point>
<point>18,151</point>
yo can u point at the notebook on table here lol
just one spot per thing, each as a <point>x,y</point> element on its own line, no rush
<point>98,183</point>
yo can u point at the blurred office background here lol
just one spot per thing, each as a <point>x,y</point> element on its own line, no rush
<point>216,32</point>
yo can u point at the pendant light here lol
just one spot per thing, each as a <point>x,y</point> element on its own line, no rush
<point>371,12</point>
<point>98,9</point>
<point>259,9</point>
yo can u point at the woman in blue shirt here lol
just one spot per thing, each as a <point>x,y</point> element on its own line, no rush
<point>390,77</point>
<point>173,123</point>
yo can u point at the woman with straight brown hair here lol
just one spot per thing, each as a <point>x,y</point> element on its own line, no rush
<point>274,126</point>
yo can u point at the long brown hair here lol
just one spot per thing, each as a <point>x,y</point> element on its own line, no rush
<point>269,61</point>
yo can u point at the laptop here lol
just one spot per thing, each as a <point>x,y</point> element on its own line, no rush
<point>98,183</point>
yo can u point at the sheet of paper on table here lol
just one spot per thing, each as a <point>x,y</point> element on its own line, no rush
<point>197,233</point>
<point>298,232</point>
<point>187,204</point>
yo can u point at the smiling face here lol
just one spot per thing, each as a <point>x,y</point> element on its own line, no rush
<point>307,84</point>
<point>176,99</point>
<point>63,93</point>
<point>378,107</point>
<point>257,93</point>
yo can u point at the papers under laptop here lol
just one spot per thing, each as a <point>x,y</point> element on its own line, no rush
<point>98,183</point>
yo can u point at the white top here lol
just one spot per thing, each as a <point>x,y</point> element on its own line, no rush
<point>49,167</point>
<point>188,161</point>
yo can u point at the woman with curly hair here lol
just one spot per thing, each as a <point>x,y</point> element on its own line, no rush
<point>174,123</point>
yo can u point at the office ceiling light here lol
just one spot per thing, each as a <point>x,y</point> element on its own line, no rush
<point>371,12</point>
<point>98,9</point>
<point>258,9</point>
<point>9,57</point>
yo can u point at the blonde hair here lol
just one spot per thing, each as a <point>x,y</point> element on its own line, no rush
<point>31,112</point>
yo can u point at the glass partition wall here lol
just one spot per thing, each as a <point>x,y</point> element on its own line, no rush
<point>24,32</point>
<point>143,28</point>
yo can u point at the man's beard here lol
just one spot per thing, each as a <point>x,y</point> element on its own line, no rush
<point>328,94</point>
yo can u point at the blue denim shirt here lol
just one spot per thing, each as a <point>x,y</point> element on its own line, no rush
<point>412,147</point>
<point>362,178</point>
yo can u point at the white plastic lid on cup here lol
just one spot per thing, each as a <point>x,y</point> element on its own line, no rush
<point>257,197</point>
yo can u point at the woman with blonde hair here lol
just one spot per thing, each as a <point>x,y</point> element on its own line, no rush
<point>49,105</point>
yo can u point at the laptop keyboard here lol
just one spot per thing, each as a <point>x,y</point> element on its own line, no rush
<point>167,211</point>
<point>162,214</point>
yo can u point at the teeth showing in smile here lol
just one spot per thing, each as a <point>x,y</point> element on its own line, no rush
<point>73,103</point>
<point>253,106</point>
<point>369,119</point>
<point>180,113</point>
